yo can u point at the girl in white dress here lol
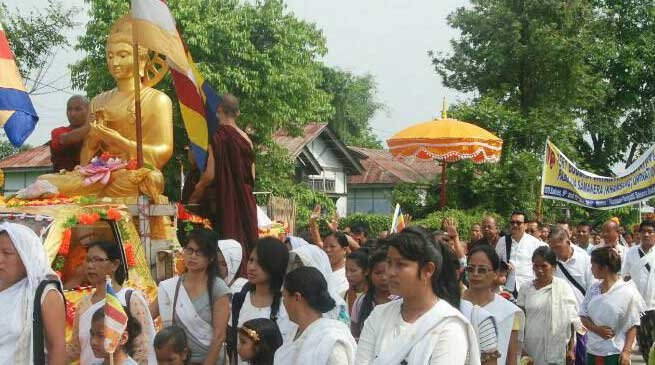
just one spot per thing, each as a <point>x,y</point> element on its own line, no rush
<point>551,310</point>
<point>482,268</point>
<point>610,311</point>
<point>424,326</point>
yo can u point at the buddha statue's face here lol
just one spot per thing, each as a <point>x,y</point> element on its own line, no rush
<point>120,60</point>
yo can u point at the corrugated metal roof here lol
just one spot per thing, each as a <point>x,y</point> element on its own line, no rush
<point>38,157</point>
<point>380,167</point>
<point>295,144</point>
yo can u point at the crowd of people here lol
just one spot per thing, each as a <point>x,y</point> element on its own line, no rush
<point>413,297</point>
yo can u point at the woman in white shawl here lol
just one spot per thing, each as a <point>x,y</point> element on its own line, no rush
<point>310,255</point>
<point>610,311</point>
<point>230,255</point>
<point>482,271</point>
<point>104,258</point>
<point>551,312</point>
<point>425,326</point>
<point>23,266</point>
<point>318,340</point>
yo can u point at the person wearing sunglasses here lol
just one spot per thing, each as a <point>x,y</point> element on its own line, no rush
<point>516,250</point>
<point>482,270</point>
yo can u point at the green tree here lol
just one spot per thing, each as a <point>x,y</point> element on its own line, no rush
<point>35,38</point>
<point>257,50</point>
<point>354,102</point>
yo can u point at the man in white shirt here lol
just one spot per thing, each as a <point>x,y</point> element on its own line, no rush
<point>519,258</point>
<point>636,252</point>
<point>641,272</point>
<point>611,238</point>
<point>574,266</point>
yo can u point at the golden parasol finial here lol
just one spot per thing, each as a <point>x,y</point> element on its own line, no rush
<point>444,109</point>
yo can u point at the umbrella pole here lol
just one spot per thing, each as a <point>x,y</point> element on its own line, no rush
<point>443,184</point>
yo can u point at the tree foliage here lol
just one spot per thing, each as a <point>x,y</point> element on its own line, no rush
<point>579,72</point>
<point>354,102</point>
<point>35,38</point>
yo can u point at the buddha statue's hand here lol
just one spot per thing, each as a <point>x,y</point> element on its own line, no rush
<point>110,136</point>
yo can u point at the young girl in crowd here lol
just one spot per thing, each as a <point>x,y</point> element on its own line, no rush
<point>198,300</point>
<point>610,311</point>
<point>357,269</point>
<point>483,266</point>
<point>229,260</point>
<point>336,247</point>
<point>25,267</point>
<point>406,330</point>
<point>261,297</point>
<point>171,346</point>
<point>551,310</point>
<point>125,348</point>
<point>318,340</point>
<point>104,258</point>
<point>258,340</point>
<point>377,293</point>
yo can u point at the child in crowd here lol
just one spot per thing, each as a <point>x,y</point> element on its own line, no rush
<point>171,346</point>
<point>357,265</point>
<point>125,344</point>
<point>377,293</point>
<point>258,340</point>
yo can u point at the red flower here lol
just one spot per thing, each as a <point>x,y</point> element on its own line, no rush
<point>114,214</point>
<point>132,165</point>
<point>129,254</point>
<point>65,242</point>
<point>70,313</point>
<point>88,218</point>
<point>105,156</point>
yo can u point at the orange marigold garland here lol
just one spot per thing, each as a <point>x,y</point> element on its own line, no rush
<point>129,254</point>
<point>114,214</point>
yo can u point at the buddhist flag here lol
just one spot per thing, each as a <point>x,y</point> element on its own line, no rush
<point>155,29</point>
<point>398,223</point>
<point>17,115</point>
<point>115,319</point>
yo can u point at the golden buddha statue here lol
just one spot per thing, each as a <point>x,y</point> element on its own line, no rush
<point>113,129</point>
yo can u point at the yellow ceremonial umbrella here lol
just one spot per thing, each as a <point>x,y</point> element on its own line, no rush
<point>446,140</point>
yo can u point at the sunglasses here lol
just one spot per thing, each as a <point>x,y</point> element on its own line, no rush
<point>482,270</point>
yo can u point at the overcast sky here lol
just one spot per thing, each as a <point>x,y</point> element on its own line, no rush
<point>386,38</point>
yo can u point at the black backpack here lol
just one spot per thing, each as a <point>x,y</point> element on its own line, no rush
<point>38,334</point>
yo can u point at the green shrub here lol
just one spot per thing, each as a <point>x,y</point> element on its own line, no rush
<point>463,218</point>
<point>376,223</point>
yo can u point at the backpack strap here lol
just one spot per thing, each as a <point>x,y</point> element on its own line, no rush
<point>570,278</point>
<point>38,334</point>
<point>177,291</point>
<point>233,329</point>
<point>642,254</point>
<point>508,246</point>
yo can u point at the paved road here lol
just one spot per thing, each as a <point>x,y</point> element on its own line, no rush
<point>637,359</point>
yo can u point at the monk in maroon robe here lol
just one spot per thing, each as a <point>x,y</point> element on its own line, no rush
<point>228,180</point>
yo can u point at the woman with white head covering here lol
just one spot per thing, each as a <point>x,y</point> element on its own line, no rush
<point>294,242</point>
<point>230,255</point>
<point>23,266</point>
<point>311,255</point>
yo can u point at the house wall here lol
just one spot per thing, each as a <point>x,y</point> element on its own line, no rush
<point>370,199</point>
<point>16,180</point>
<point>333,168</point>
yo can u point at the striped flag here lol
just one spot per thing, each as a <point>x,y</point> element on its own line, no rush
<point>155,29</point>
<point>17,115</point>
<point>398,222</point>
<point>115,319</point>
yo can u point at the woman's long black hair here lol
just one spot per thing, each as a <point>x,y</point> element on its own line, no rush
<point>416,244</point>
<point>368,301</point>
<point>273,258</point>
<point>207,241</point>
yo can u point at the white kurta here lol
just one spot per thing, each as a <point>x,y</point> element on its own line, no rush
<point>324,342</point>
<point>521,259</point>
<point>579,267</point>
<point>620,309</point>
<point>505,313</point>
<point>340,281</point>
<point>549,312</point>
<point>440,336</point>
